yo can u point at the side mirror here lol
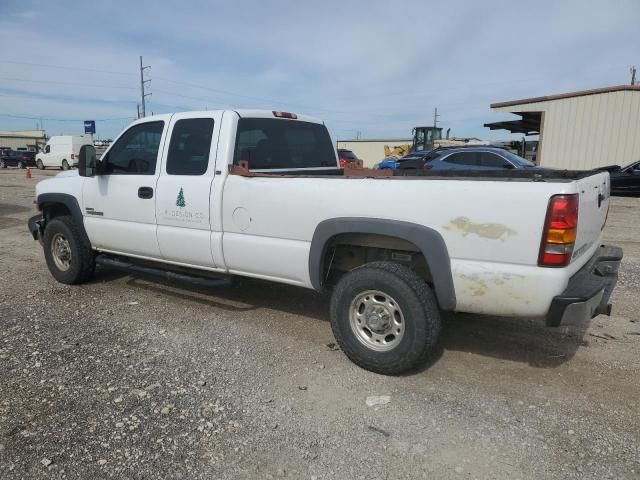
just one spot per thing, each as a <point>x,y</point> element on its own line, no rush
<point>87,161</point>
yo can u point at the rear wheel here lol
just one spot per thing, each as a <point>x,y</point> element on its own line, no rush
<point>20,164</point>
<point>67,251</point>
<point>39,164</point>
<point>385,318</point>
<point>65,165</point>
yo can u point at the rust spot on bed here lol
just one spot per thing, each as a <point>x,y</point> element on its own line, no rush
<point>491,231</point>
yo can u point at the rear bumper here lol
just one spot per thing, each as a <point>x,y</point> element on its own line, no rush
<point>589,290</point>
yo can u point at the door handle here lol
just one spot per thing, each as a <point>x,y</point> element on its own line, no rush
<point>145,192</point>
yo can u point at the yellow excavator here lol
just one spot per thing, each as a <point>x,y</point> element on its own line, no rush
<point>397,151</point>
<point>423,139</point>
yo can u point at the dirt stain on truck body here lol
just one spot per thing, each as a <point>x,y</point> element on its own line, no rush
<point>491,231</point>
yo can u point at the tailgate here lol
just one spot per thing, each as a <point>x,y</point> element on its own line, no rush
<point>594,194</point>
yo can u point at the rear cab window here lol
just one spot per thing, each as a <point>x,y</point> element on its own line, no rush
<point>281,144</point>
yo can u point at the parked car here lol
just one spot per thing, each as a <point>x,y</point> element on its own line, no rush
<point>262,195</point>
<point>388,163</point>
<point>626,181</point>
<point>346,156</point>
<point>413,158</point>
<point>17,158</point>
<point>467,158</point>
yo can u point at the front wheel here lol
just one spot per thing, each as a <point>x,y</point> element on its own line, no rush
<point>385,318</point>
<point>65,165</point>
<point>67,251</point>
<point>3,164</point>
<point>39,164</point>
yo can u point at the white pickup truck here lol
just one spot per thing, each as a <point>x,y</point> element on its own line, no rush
<point>201,195</point>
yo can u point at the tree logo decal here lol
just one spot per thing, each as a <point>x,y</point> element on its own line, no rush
<point>180,200</point>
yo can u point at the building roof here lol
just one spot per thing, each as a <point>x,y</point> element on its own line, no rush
<point>582,93</point>
<point>22,133</point>
<point>529,124</point>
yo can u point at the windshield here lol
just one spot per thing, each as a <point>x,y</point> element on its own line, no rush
<point>519,161</point>
<point>632,166</point>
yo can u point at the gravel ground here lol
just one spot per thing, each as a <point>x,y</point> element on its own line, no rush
<point>128,377</point>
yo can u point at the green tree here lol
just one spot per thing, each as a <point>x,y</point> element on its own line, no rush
<point>180,201</point>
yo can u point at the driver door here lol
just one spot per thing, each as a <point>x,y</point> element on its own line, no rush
<point>119,203</point>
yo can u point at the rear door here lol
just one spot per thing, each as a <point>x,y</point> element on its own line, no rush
<point>184,189</point>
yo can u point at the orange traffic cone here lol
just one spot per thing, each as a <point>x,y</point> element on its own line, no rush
<point>28,173</point>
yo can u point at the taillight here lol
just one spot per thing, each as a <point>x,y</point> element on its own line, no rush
<point>285,115</point>
<point>559,234</point>
<point>73,156</point>
<point>343,162</point>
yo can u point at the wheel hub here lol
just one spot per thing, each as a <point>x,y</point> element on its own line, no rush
<point>61,251</point>
<point>377,320</point>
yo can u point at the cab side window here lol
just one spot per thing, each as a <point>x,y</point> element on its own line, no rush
<point>136,151</point>
<point>189,147</point>
<point>490,160</point>
<point>470,159</point>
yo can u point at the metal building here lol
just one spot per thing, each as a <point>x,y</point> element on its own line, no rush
<point>579,130</point>
<point>371,151</point>
<point>29,139</point>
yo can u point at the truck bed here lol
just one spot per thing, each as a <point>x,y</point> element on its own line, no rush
<point>532,175</point>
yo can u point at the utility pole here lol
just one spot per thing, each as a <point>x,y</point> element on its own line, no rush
<point>138,107</point>
<point>633,75</point>
<point>435,118</point>
<point>142,84</point>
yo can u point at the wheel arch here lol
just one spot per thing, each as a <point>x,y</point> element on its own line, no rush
<point>428,241</point>
<point>58,202</point>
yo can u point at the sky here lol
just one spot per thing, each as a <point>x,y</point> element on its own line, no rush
<point>373,69</point>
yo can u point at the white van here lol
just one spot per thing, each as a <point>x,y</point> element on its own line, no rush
<point>62,151</point>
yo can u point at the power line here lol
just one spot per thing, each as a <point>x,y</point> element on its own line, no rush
<point>53,82</point>
<point>63,119</point>
<point>13,62</point>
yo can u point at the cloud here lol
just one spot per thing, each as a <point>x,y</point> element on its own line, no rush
<point>376,67</point>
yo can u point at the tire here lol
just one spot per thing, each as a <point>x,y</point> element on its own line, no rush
<point>39,164</point>
<point>65,165</point>
<point>3,164</point>
<point>81,258</point>
<point>413,317</point>
<point>20,164</point>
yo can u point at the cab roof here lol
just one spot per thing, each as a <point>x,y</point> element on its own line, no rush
<point>242,113</point>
